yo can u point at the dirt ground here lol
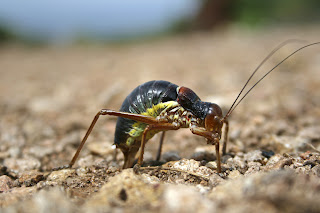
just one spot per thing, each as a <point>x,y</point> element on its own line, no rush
<point>49,96</point>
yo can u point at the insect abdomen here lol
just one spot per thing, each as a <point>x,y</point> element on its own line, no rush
<point>143,99</point>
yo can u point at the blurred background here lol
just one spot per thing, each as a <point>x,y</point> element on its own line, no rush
<point>60,55</point>
<point>44,21</point>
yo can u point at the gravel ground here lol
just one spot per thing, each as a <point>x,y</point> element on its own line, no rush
<point>49,95</point>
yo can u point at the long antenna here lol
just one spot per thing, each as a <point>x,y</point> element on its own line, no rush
<point>264,60</point>
<point>230,111</point>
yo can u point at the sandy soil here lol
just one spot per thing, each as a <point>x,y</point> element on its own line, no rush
<point>49,95</point>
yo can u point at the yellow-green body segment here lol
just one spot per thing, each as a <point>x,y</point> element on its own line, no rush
<point>151,98</point>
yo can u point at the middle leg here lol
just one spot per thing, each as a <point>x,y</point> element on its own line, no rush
<point>161,127</point>
<point>160,146</point>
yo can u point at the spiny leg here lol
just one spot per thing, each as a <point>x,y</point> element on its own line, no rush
<point>136,117</point>
<point>211,138</point>
<point>225,137</point>
<point>160,146</point>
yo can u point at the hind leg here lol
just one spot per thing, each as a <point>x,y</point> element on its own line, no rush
<point>141,118</point>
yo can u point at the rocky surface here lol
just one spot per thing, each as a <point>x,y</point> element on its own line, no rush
<point>49,95</point>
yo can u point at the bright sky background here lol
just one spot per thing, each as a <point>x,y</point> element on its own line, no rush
<point>64,19</point>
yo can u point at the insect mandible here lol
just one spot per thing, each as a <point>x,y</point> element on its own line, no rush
<point>159,106</point>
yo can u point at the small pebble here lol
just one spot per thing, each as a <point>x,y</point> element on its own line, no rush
<point>22,164</point>
<point>60,175</point>
<point>316,170</point>
<point>6,183</point>
<point>254,156</point>
<point>234,174</point>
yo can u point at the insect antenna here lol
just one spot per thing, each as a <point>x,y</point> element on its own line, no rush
<point>258,67</point>
<point>235,103</point>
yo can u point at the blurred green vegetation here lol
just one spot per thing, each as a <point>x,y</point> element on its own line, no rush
<point>6,34</point>
<point>259,13</point>
<point>9,35</point>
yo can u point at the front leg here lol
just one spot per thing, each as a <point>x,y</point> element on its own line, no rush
<point>212,138</point>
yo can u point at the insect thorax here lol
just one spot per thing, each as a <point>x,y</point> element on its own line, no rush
<point>178,115</point>
<point>169,112</point>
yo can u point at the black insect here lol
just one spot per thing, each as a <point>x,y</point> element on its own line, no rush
<point>159,106</point>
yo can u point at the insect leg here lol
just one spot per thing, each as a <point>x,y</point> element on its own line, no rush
<point>211,138</point>
<point>136,117</point>
<point>160,146</point>
<point>225,137</point>
<point>159,126</point>
<point>216,141</point>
